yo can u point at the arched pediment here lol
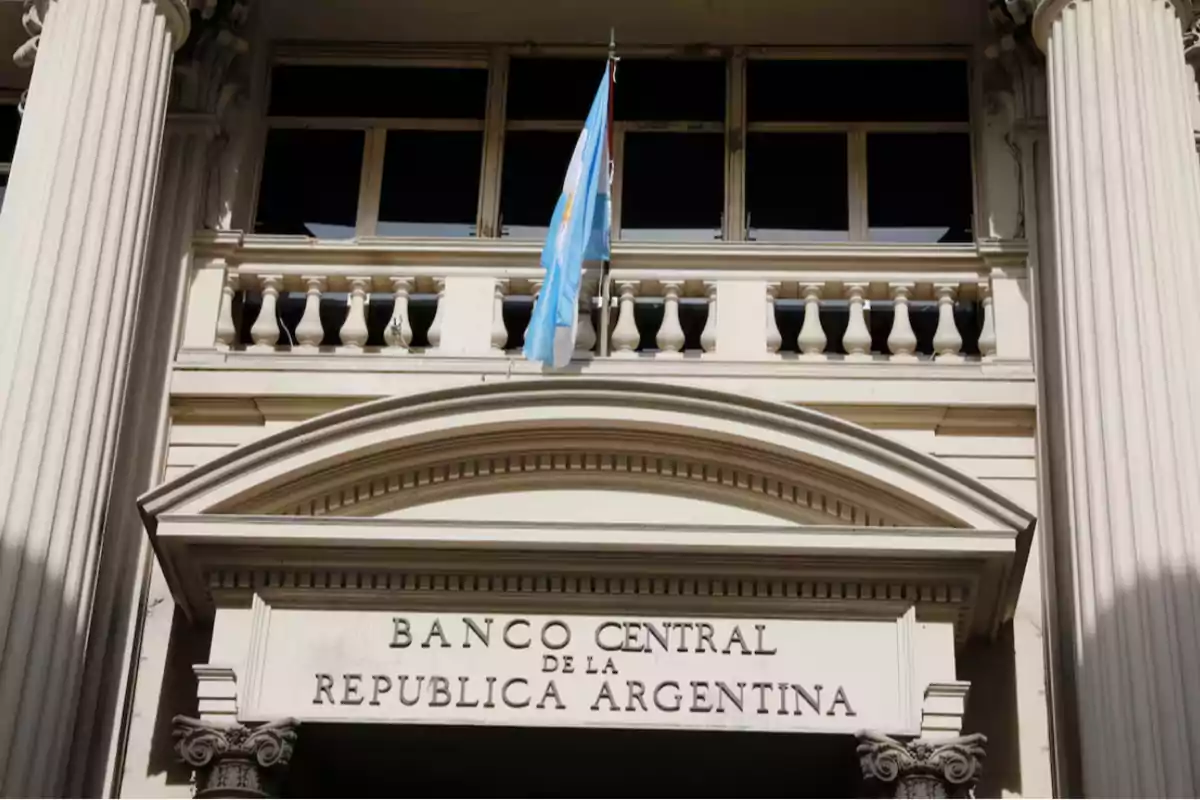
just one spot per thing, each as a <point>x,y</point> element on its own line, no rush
<point>790,463</point>
<point>541,466</point>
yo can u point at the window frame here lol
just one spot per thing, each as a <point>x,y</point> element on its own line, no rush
<point>9,97</point>
<point>495,125</point>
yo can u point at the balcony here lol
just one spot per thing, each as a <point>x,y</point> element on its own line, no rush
<point>883,323</point>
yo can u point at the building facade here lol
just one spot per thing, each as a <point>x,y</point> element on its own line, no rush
<point>871,475</point>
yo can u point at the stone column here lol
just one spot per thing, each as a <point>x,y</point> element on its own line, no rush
<point>233,760</point>
<point>72,245</point>
<point>920,768</point>
<point>1122,365</point>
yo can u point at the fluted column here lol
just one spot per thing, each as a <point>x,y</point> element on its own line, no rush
<point>73,236</point>
<point>1125,370</point>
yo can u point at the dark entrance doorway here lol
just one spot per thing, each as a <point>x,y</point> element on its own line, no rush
<point>432,761</point>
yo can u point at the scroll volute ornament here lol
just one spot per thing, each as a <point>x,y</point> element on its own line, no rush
<point>922,768</point>
<point>233,760</point>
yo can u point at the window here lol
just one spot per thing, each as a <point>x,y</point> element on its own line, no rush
<point>764,147</point>
<point>858,150</point>
<point>10,123</point>
<point>373,150</point>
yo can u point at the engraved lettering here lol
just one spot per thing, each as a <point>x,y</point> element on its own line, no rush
<point>490,703</point>
<point>663,636</point>
<point>383,685</point>
<point>462,695</point>
<point>759,650</point>
<point>549,663</point>
<point>813,702</point>
<point>605,694</point>
<point>677,700</point>
<point>324,686</point>
<point>416,697</point>
<point>723,691</point>
<point>762,696</point>
<point>436,630</point>
<point>633,641</point>
<point>552,691</point>
<point>484,635</point>
<point>401,632</point>
<point>683,628</point>
<point>557,641</point>
<point>637,690</point>
<point>508,631</point>
<point>508,684</point>
<point>439,691</point>
<point>600,633</point>
<point>705,632</point>
<point>736,636</point>
<point>609,667</point>
<point>700,702</point>
<point>840,697</point>
<point>350,695</point>
<point>568,664</point>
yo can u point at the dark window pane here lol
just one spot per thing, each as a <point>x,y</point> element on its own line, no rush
<point>919,187</point>
<point>673,186</point>
<point>535,164</point>
<point>319,91</point>
<point>3,187</point>
<point>796,187</point>
<point>10,123</point>
<point>663,89</point>
<point>856,91</point>
<point>310,183</point>
<point>552,88</point>
<point>430,183</point>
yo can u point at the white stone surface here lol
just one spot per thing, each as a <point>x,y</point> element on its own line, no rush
<point>1125,372</point>
<point>73,236</point>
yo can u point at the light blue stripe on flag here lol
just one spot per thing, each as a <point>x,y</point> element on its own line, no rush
<point>579,231</point>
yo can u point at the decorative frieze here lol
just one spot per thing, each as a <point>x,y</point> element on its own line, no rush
<point>920,768</point>
<point>233,760</point>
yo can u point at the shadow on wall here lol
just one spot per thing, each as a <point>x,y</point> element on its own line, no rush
<point>188,646</point>
<point>992,711</point>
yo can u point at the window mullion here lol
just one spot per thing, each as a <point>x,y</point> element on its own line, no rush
<point>370,186</point>
<point>735,228</point>
<point>493,146</point>
<point>618,178</point>
<point>856,172</point>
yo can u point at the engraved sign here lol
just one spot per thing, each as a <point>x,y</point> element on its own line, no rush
<point>572,670</point>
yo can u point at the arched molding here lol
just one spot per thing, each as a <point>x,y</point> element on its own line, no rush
<point>742,445</point>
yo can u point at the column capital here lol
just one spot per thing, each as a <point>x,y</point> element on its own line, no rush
<point>921,768</point>
<point>233,760</point>
<point>1047,11</point>
<point>176,13</point>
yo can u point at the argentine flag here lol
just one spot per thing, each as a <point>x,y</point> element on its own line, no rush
<point>579,231</point>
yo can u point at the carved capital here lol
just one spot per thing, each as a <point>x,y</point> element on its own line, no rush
<point>233,760</point>
<point>921,768</point>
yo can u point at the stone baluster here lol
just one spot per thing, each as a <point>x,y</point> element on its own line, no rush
<point>774,339</point>
<point>932,768</point>
<point>811,340</point>
<point>354,330</point>
<point>535,291</point>
<point>585,333</point>
<point>987,333</point>
<point>435,327</point>
<point>625,336</point>
<point>499,329</point>
<point>232,760</point>
<point>226,329</point>
<point>857,339</point>
<point>670,333</point>
<point>708,337</point>
<point>902,342</point>
<point>398,335</point>
<point>309,331</point>
<point>265,331</point>
<point>947,341</point>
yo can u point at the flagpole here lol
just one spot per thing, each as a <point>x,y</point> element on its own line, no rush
<point>605,289</point>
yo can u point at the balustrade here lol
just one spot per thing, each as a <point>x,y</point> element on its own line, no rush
<point>673,310</point>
